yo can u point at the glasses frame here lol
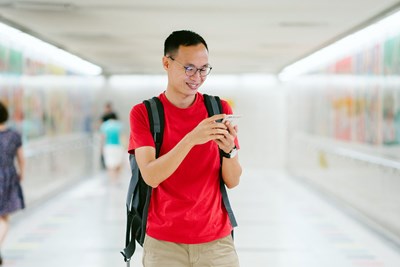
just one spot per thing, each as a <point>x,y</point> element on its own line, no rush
<point>197,69</point>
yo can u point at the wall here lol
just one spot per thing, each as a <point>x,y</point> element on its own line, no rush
<point>56,118</point>
<point>342,141</point>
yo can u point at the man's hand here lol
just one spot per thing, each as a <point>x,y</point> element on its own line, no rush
<point>227,142</point>
<point>208,129</point>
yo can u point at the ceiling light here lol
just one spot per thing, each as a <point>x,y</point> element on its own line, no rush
<point>42,6</point>
<point>34,48</point>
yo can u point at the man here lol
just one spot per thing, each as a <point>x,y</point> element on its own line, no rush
<point>187,224</point>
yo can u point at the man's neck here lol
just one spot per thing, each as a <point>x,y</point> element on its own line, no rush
<point>179,100</point>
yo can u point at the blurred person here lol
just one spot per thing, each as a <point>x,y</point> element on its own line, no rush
<point>113,151</point>
<point>187,224</point>
<point>108,113</point>
<point>11,197</point>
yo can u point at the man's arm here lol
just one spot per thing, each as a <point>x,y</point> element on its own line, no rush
<point>231,171</point>
<point>155,171</point>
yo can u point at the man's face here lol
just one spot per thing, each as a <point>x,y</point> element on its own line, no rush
<point>189,56</point>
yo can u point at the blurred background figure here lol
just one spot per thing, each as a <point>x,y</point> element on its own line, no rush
<point>113,151</point>
<point>108,113</point>
<point>11,197</point>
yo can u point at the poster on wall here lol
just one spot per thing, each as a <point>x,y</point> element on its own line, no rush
<point>388,113</point>
<point>5,94</point>
<point>11,96</point>
<point>372,119</point>
<point>397,115</point>
<point>359,116</point>
<point>391,58</point>
<point>3,58</point>
<point>34,113</point>
<point>342,106</point>
<point>17,115</point>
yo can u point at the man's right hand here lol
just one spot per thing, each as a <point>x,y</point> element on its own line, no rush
<point>207,130</point>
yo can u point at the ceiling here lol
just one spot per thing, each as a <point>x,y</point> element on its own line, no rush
<point>252,36</point>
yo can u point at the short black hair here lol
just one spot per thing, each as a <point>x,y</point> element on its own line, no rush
<point>3,113</point>
<point>183,37</point>
<point>113,116</point>
<point>109,116</point>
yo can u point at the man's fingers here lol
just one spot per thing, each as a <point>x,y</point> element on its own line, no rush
<point>217,117</point>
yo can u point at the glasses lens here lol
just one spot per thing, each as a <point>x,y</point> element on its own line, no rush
<point>190,70</point>
<point>205,71</point>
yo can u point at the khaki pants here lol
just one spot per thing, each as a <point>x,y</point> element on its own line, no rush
<point>218,253</point>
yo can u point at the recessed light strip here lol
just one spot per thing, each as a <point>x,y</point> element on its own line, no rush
<point>370,35</point>
<point>49,54</point>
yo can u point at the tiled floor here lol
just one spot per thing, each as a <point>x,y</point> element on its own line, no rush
<point>281,224</point>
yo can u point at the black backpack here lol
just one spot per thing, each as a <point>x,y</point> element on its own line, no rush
<point>139,193</point>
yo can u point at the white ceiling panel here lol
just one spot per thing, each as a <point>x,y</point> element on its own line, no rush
<point>254,36</point>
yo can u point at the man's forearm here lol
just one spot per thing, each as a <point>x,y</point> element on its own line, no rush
<point>155,171</point>
<point>231,171</point>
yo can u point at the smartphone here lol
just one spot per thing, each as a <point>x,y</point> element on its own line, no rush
<point>233,119</point>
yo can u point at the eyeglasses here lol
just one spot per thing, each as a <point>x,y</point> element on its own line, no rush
<point>192,70</point>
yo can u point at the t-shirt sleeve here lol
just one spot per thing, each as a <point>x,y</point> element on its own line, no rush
<point>140,134</point>
<point>18,140</point>
<point>226,108</point>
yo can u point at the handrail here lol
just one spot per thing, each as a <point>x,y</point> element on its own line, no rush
<point>375,160</point>
<point>64,143</point>
<point>351,153</point>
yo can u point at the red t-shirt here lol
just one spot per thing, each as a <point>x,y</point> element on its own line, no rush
<point>187,207</point>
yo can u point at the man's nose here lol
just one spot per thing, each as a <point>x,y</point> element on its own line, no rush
<point>196,75</point>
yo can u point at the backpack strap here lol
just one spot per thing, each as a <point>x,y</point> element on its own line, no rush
<point>213,106</point>
<point>130,244</point>
<point>155,112</point>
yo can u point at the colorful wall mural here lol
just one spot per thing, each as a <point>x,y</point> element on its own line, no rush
<point>49,109</point>
<point>39,108</point>
<point>366,111</point>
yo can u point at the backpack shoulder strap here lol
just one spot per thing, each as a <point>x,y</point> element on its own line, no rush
<point>214,106</point>
<point>155,111</point>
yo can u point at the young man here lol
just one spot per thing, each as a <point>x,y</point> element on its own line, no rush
<point>187,224</point>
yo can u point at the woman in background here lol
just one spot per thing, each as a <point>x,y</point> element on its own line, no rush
<point>11,198</point>
<point>113,150</point>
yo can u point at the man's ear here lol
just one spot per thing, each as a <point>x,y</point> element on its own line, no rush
<point>165,63</point>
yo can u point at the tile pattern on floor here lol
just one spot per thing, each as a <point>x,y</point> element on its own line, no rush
<point>282,223</point>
